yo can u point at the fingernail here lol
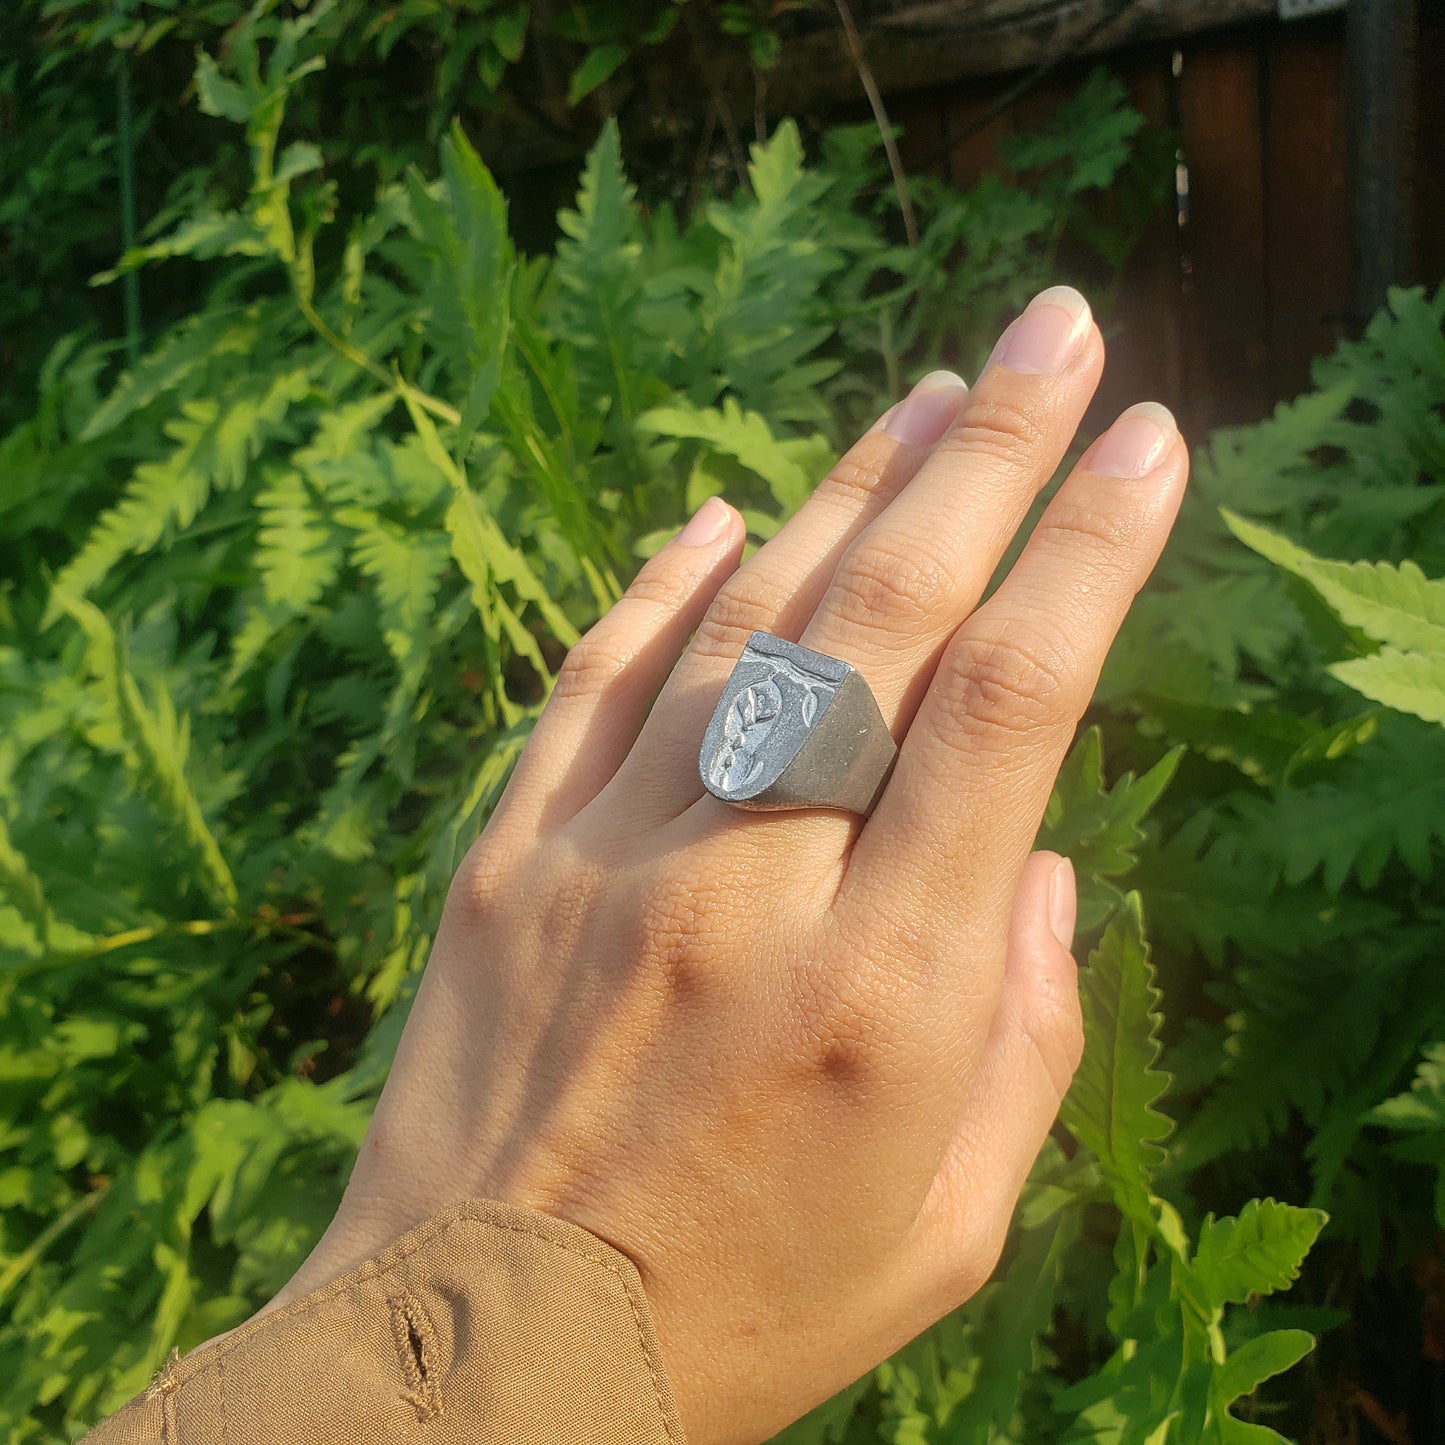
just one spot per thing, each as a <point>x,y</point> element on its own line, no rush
<point>1132,446</point>
<point>1063,902</point>
<point>708,523</point>
<point>882,423</point>
<point>1048,333</point>
<point>928,410</point>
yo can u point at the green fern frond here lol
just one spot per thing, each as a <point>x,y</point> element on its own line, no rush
<point>789,466</point>
<point>1398,606</point>
<point>1259,1252</point>
<point>155,742</point>
<point>21,889</point>
<point>1110,1109</point>
<point>406,567</point>
<point>215,444</point>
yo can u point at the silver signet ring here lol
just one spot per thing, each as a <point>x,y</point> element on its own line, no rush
<point>795,728</point>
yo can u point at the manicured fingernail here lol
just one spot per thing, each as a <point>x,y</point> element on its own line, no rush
<point>1048,333</point>
<point>708,523</point>
<point>928,410</point>
<point>1132,446</point>
<point>1063,902</point>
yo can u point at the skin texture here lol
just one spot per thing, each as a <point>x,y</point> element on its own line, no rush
<point>796,1066</point>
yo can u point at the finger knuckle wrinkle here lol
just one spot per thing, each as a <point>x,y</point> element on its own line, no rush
<point>594,662</point>
<point>735,614</point>
<point>890,585</point>
<point>481,883</point>
<point>1090,529</point>
<point>655,590</point>
<point>851,478</point>
<point>1007,685</point>
<point>1056,1034</point>
<point>999,427</point>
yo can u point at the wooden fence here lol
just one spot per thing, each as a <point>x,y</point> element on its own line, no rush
<point>1226,302</point>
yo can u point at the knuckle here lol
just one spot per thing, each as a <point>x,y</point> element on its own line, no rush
<point>1011,683</point>
<point>746,605</point>
<point>851,478</point>
<point>1008,429</point>
<point>979,1251</point>
<point>1106,535</point>
<point>889,584</point>
<point>846,1036</point>
<point>482,882</point>
<point>594,662</point>
<point>658,588</point>
<point>681,952</point>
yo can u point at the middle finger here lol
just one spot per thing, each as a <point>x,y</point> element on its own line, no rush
<point>909,579</point>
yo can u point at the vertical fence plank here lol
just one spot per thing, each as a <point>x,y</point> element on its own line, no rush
<point>1306,200</point>
<point>1226,373</point>
<point>1144,329</point>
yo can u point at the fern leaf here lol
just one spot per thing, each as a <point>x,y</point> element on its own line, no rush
<point>1097,826</point>
<point>215,444</point>
<point>1110,1108</point>
<point>789,466</point>
<point>1412,682</point>
<point>1249,1365</point>
<point>406,567</point>
<point>463,224</point>
<point>485,556</point>
<point>155,743</point>
<point>1422,1108</point>
<point>180,354</point>
<point>1384,801</point>
<point>1257,1252</point>
<point>600,283</point>
<point>22,889</point>
<point>297,555</point>
<point>1418,1117</point>
<point>1398,606</point>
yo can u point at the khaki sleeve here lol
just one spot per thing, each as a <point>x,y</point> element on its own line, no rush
<point>489,1324</point>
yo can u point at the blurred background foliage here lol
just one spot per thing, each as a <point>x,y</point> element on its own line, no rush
<point>291,553</point>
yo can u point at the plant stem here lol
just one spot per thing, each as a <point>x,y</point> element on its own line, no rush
<point>880,115</point>
<point>28,1258</point>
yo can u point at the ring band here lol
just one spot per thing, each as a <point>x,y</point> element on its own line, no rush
<point>796,728</point>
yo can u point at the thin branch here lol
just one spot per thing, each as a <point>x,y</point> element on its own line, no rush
<point>880,115</point>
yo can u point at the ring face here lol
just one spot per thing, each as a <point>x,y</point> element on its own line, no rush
<point>795,728</point>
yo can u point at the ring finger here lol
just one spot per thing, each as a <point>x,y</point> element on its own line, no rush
<point>777,591</point>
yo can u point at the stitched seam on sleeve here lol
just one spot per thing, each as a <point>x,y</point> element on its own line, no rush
<point>221,1393</point>
<point>373,1270</point>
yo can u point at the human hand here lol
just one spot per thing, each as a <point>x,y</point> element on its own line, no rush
<point>795,1065</point>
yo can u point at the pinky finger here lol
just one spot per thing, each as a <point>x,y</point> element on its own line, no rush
<point>1032,1050</point>
<point>611,676</point>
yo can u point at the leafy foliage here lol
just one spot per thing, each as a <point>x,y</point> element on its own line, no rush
<point>285,596</point>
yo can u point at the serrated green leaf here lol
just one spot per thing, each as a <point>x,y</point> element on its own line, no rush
<point>782,463</point>
<point>1412,682</point>
<point>155,741</point>
<point>1257,1252</point>
<point>1398,606</point>
<point>1110,1109</point>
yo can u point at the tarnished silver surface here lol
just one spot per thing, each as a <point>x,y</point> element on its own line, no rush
<point>796,729</point>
